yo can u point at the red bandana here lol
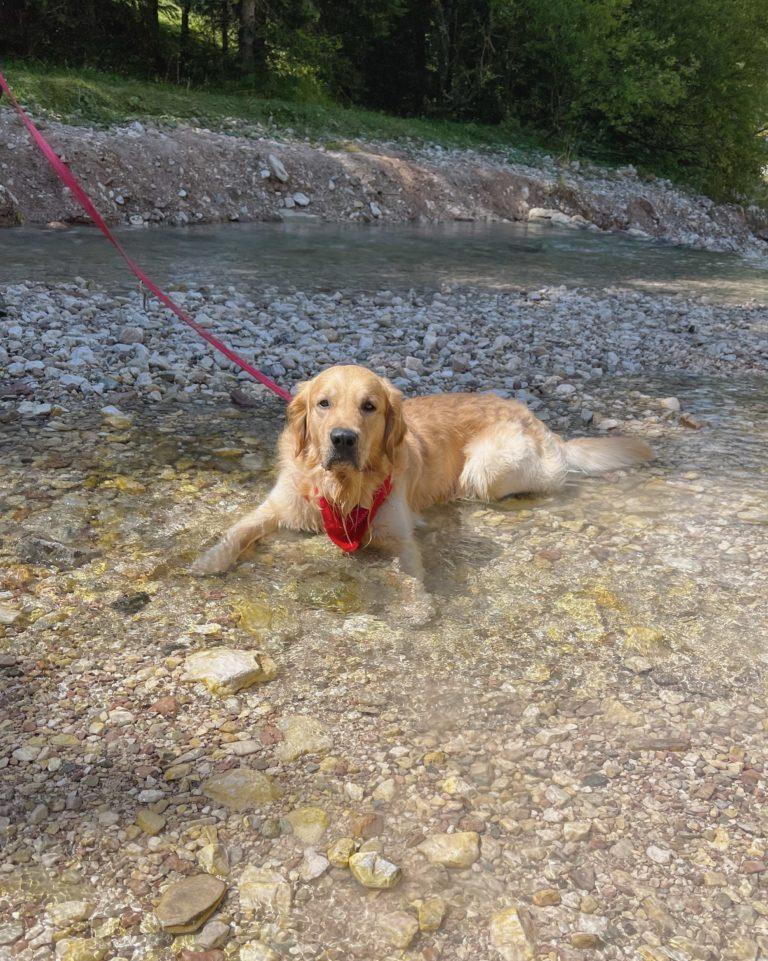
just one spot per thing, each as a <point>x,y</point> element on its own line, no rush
<point>348,532</point>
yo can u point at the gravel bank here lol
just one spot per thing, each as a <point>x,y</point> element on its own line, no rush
<point>144,175</point>
<point>75,341</point>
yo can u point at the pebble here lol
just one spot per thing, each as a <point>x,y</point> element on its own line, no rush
<point>400,929</point>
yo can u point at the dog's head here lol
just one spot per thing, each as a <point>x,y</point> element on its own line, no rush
<point>347,419</point>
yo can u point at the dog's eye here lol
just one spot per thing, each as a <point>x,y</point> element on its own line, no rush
<point>324,402</point>
<point>368,407</point>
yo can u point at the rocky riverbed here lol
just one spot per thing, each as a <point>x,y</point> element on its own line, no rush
<point>145,174</point>
<point>567,763</point>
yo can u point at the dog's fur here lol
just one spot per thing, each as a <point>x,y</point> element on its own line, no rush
<point>436,448</point>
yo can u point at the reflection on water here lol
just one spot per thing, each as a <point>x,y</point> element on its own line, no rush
<point>321,256</point>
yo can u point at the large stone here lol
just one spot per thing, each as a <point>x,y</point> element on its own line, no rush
<point>309,824</point>
<point>225,670</point>
<point>262,888</point>
<point>8,615</point>
<point>512,936</point>
<point>186,905</point>
<point>302,735</point>
<point>373,871</point>
<point>458,850</point>
<point>241,789</point>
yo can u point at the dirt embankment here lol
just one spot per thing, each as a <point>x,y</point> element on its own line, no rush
<point>178,175</point>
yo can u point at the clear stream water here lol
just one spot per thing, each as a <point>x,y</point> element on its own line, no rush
<point>321,256</point>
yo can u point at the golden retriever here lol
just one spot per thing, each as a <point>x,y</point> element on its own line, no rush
<point>352,442</point>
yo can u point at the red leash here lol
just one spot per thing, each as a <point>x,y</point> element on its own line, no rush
<point>69,180</point>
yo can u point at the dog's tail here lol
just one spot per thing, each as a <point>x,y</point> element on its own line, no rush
<point>596,455</point>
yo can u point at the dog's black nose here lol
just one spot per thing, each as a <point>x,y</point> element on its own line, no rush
<point>343,440</point>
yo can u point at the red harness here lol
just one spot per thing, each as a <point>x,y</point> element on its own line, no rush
<point>348,532</point>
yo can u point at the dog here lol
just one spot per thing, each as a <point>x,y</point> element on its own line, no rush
<point>359,460</point>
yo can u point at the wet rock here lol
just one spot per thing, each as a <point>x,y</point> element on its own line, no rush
<point>546,897</point>
<point>114,417</point>
<point>309,824</point>
<point>11,933</point>
<point>512,935</point>
<point>341,851</point>
<point>313,866</point>
<point>81,949</point>
<point>64,913</point>
<point>302,735</point>
<point>8,615</point>
<point>374,871</point>
<point>400,929</point>
<point>214,934</point>
<point>262,888</point>
<point>225,670</point>
<point>458,850</point>
<point>670,403</point>
<point>50,553</point>
<point>186,905</point>
<point>131,603</point>
<point>214,859</point>
<point>301,200</point>
<point>241,789</point>
<point>431,912</point>
<point>150,822</point>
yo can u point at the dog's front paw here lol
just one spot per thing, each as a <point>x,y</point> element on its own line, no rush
<point>217,560</point>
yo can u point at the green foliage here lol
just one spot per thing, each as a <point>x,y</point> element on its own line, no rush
<point>677,87</point>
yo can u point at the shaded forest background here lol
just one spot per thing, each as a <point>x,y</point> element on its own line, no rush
<point>677,87</point>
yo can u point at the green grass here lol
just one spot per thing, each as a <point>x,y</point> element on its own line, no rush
<point>85,96</point>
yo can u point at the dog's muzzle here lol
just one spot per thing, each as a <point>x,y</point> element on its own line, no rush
<point>343,447</point>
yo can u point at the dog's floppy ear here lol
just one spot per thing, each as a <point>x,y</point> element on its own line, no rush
<point>394,427</point>
<point>297,417</point>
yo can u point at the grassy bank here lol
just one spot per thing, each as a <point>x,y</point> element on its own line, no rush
<point>92,97</point>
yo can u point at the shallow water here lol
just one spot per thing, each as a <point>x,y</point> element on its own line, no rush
<point>597,662</point>
<point>327,256</point>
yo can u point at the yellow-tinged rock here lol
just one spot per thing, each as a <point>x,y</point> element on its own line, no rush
<point>374,871</point>
<point>302,735</point>
<point>341,851</point>
<point>646,640</point>
<point>150,822</point>
<point>309,824</point>
<point>512,935</point>
<point>546,897</point>
<point>241,789</point>
<point>214,858</point>
<point>186,905</point>
<point>81,949</point>
<point>458,850</point>
<point>225,670</point>
<point>431,912</point>
<point>400,929</point>
<point>262,888</point>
